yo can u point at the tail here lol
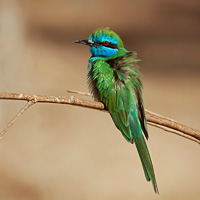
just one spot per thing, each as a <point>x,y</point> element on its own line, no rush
<point>146,160</point>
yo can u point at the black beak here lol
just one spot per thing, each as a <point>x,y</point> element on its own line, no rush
<point>86,42</point>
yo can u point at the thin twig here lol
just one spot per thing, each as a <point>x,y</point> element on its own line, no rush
<point>28,105</point>
<point>77,92</point>
<point>170,123</point>
<point>152,118</point>
<point>174,131</point>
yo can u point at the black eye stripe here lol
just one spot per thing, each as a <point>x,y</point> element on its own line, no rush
<point>111,45</point>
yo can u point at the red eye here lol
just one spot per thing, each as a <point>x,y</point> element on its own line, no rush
<point>106,43</point>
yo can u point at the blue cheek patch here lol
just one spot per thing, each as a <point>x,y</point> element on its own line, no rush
<point>102,51</point>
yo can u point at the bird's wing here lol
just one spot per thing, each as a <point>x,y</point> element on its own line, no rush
<point>128,86</point>
<point>119,85</point>
<point>114,96</point>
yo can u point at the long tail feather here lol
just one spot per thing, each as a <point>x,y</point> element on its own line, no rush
<point>146,160</point>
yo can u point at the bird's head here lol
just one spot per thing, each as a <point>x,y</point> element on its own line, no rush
<point>103,42</point>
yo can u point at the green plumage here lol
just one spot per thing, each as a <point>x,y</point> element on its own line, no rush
<point>114,79</point>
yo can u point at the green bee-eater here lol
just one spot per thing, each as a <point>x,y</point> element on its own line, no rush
<point>114,79</point>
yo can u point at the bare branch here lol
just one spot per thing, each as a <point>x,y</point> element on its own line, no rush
<point>28,105</point>
<point>170,123</point>
<point>152,118</point>
<point>174,131</point>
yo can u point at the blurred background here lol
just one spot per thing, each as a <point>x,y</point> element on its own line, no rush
<point>66,152</point>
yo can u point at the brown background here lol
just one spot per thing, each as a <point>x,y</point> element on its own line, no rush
<point>66,152</point>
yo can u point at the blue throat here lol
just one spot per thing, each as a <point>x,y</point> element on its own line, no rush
<point>102,51</point>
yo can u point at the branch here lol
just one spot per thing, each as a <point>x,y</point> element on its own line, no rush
<point>28,105</point>
<point>152,118</point>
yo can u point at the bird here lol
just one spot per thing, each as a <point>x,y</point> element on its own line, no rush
<point>115,80</point>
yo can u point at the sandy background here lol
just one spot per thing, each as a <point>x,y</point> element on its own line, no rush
<point>65,152</point>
